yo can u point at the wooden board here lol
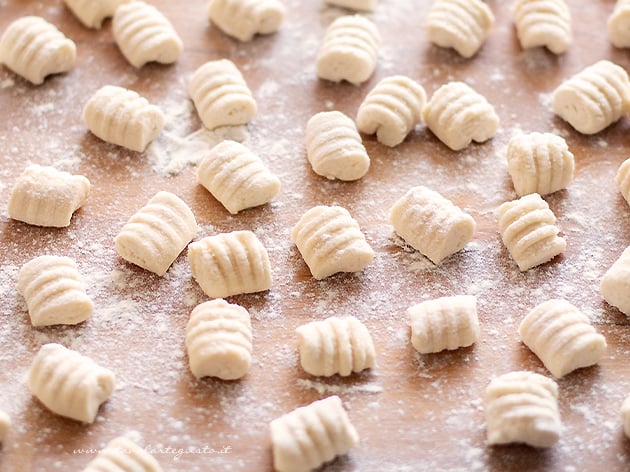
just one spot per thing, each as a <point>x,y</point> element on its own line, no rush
<point>413,412</point>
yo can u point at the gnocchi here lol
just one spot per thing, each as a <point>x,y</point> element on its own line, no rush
<point>625,416</point>
<point>242,20</point>
<point>361,5</point>
<point>543,23</point>
<point>5,425</point>
<point>92,12</point>
<point>615,284</point>
<point>619,24</point>
<point>622,179</point>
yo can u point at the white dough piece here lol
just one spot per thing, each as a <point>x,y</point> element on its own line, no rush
<point>5,425</point>
<point>237,177</point>
<point>334,147</point>
<point>528,230</point>
<point>92,12</point>
<point>594,98</point>
<point>144,34</point>
<point>45,196</point>
<point>625,416</point>
<point>54,291</point>
<point>219,340</point>
<point>335,346</point>
<point>522,407</point>
<point>444,323</point>
<point>392,109</point>
<point>562,337</point>
<point>230,264</point>
<point>34,49</point>
<point>539,163</point>
<point>458,115</point>
<point>615,284</point>
<point>622,179</point>
<point>331,241</point>
<point>359,5</point>
<point>123,454</point>
<point>123,117</point>
<point>311,435</point>
<point>431,224</point>
<point>459,24</point>
<point>349,50</point>
<point>543,23</point>
<point>68,383</point>
<point>157,233</point>
<point>619,24</point>
<point>221,95</point>
<point>244,19</point>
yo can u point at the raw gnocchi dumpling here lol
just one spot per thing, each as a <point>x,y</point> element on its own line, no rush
<point>144,34</point>
<point>123,454</point>
<point>562,337</point>
<point>311,435</point>
<point>622,179</point>
<point>157,233</point>
<point>392,109</point>
<point>360,5</point>
<point>335,346</point>
<point>121,116</point>
<point>34,49</point>
<point>444,323</point>
<point>619,24</point>
<point>522,407</point>
<point>431,224</point>
<point>220,95</point>
<point>594,98</point>
<point>92,12</point>
<point>54,291</point>
<point>230,264</point>
<point>528,230</point>
<point>68,383</point>
<point>219,340</point>
<point>5,425</point>
<point>334,147</point>
<point>625,416</point>
<point>615,284</point>
<point>331,241</point>
<point>237,177</point>
<point>458,115</point>
<point>45,196</point>
<point>349,50</point>
<point>543,23</point>
<point>244,19</point>
<point>539,163</point>
<point>459,24</point>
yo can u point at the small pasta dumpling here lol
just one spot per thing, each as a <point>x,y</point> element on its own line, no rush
<point>331,241</point>
<point>68,383</point>
<point>123,454</point>
<point>594,98</point>
<point>444,323</point>
<point>522,407</point>
<point>230,264</point>
<point>45,196</point>
<point>311,435</point>
<point>619,24</point>
<point>54,291</point>
<point>121,116</point>
<point>349,50</point>
<point>92,12</point>
<point>335,346</point>
<point>5,425</point>
<point>392,109</point>
<point>143,34</point>
<point>539,163</point>
<point>237,177</point>
<point>431,224</point>
<point>562,337</point>
<point>458,115</point>
<point>622,179</point>
<point>34,49</point>
<point>219,340</point>
<point>359,5</point>
<point>220,95</point>
<point>615,284</point>
<point>157,233</point>
<point>528,230</point>
<point>462,25</point>
<point>543,23</point>
<point>242,20</point>
<point>334,147</point>
<point>625,416</point>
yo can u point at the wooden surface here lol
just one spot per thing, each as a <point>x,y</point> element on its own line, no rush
<point>412,412</point>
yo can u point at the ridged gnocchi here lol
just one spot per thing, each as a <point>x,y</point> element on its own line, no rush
<point>123,454</point>
<point>543,23</point>
<point>334,147</point>
<point>331,241</point>
<point>92,12</point>
<point>242,20</point>
<point>619,24</point>
<point>622,179</point>
<point>615,284</point>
